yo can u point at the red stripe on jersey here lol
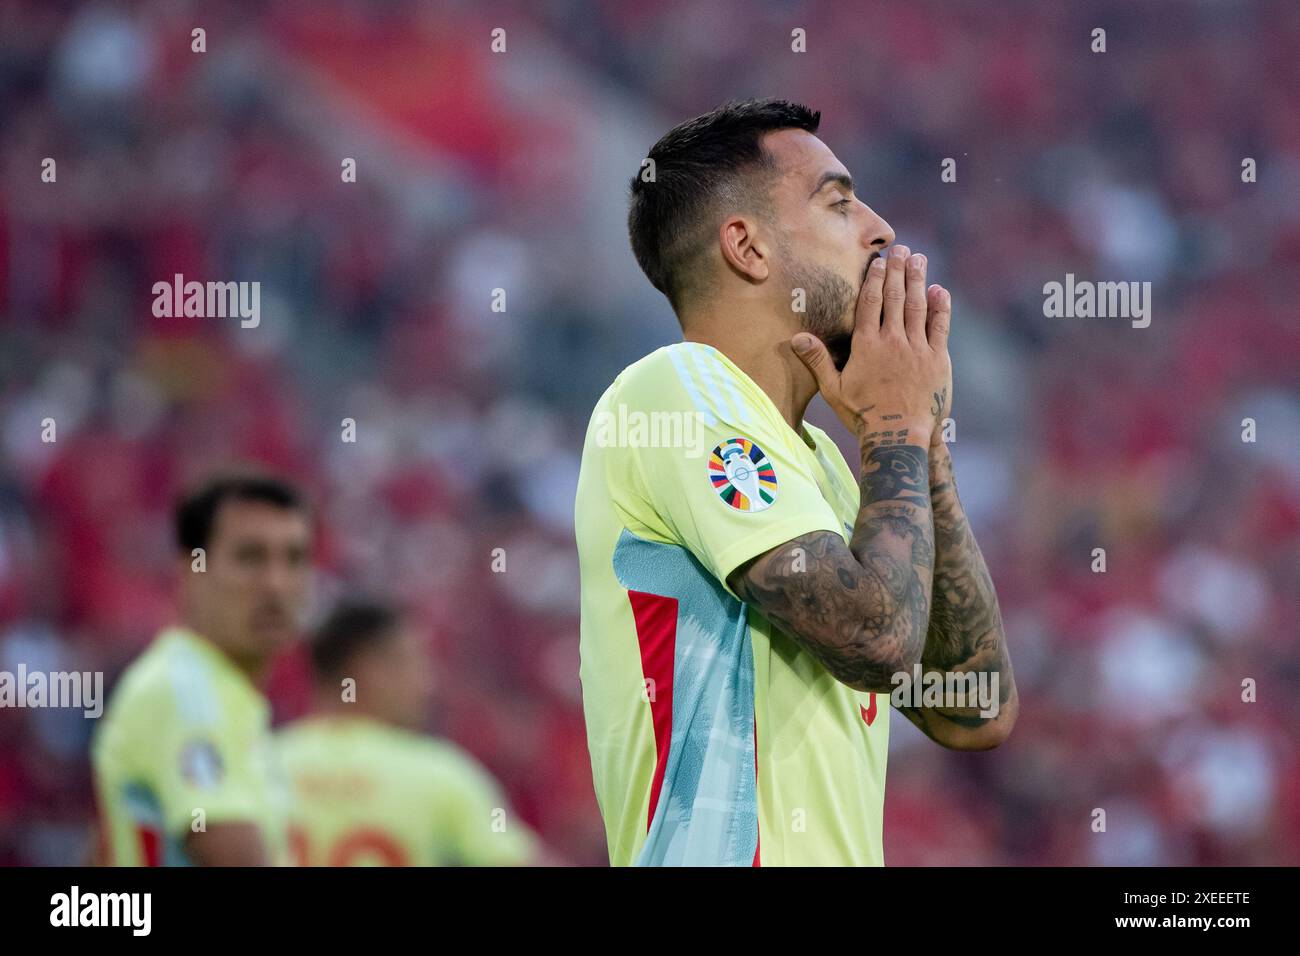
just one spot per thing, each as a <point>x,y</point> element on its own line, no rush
<point>150,846</point>
<point>656,632</point>
<point>869,713</point>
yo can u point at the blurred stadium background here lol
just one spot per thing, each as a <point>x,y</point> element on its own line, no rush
<point>478,171</point>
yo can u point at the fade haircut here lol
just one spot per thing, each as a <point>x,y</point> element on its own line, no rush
<point>704,169</point>
<point>196,512</point>
<point>354,626</point>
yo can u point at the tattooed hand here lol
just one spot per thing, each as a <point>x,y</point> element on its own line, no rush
<point>939,314</point>
<point>896,384</point>
<point>863,610</point>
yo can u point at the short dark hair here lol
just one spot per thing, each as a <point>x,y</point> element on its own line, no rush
<point>353,626</point>
<point>196,512</point>
<point>697,165</point>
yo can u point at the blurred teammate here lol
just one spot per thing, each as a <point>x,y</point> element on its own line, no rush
<point>370,790</point>
<point>182,755</point>
<point>746,601</point>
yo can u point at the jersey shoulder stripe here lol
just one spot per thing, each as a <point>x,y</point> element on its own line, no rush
<point>708,372</point>
<point>191,683</point>
<point>724,381</point>
<point>689,383</point>
<point>712,388</point>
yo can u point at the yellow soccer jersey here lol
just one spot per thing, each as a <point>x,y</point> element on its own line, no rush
<point>367,794</point>
<point>714,738</point>
<point>185,742</point>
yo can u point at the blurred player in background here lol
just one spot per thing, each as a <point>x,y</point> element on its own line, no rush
<point>182,756</point>
<point>368,788</point>
<point>746,603</point>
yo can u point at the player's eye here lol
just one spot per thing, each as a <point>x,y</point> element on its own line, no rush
<point>843,205</point>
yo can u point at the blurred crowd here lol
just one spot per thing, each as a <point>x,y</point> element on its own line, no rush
<point>480,170</point>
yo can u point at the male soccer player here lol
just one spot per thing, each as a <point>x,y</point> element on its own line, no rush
<point>370,790</point>
<point>182,757</point>
<point>745,603</point>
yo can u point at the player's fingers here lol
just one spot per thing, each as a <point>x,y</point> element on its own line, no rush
<point>895,290</point>
<point>866,322</point>
<point>812,352</point>
<point>939,320</point>
<point>914,305</point>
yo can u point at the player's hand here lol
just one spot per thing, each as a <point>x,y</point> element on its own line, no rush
<point>898,375</point>
<point>939,308</point>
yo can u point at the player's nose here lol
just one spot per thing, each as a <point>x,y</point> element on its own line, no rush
<point>876,232</point>
<point>281,582</point>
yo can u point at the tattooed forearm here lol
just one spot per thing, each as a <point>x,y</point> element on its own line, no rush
<point>965,632</point>
<point>862,609</point>
<point>859,622</point>
<point>921,715</point>
<point>901,521</point>
<point>895,473</point>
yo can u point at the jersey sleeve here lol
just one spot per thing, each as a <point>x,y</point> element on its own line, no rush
<point>736,489</point>
<point>206,761</point>
<point>484,830</point>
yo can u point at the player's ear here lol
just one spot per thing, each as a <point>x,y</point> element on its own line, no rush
<point>743,249</point>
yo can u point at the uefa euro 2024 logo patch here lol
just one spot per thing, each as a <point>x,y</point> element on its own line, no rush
<point>742,475</point>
